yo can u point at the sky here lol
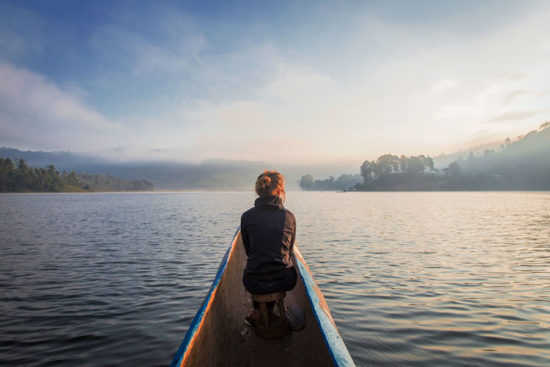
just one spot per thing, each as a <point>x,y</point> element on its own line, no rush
<point>287,82</point>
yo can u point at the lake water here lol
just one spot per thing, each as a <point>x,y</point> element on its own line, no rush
<point>412,279</point>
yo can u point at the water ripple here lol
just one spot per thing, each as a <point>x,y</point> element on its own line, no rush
<point>412,279</point>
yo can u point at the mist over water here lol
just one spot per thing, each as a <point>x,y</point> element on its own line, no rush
<point>411,278</point>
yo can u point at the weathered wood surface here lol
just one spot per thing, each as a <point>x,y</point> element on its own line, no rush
<point>221,339</point>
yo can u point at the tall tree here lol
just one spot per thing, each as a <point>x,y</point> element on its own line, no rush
<point>367,171</point>
<point>388,163</point>
<point>415,165</point>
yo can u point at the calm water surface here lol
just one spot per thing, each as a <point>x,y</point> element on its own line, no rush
<point>412,279</point>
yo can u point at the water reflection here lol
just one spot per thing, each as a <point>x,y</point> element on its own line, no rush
<point>411,278</point>
<point>456,273</point>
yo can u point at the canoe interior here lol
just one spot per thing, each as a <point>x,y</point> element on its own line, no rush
<point>218,340</point>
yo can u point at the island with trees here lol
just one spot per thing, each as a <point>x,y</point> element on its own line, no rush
<point>520,165</point>
<point>342,183</point>
<point>22,178</point>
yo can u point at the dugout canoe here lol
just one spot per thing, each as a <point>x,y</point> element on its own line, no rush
<point>215,336</point>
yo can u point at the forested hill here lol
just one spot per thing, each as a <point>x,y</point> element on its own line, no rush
<point>166,175</point>
<point>523,164</point>
<point>22,178</point>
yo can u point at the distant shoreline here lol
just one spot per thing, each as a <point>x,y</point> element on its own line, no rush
<point>252,194</point>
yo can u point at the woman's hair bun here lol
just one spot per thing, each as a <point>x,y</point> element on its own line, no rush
<point>267,182</point>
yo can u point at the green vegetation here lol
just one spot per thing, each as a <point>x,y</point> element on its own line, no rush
<point>343,182</point>
<point>520,165</point>
<point>390,172</point>
<point>22,178</point>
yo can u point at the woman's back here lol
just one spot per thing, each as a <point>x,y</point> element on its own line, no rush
<point>268,232</point>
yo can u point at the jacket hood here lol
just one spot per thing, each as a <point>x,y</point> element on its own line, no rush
<point>269,202</point>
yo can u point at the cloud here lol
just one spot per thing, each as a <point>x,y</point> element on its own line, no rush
<point>34,108</point>
<point>518,76</point>
<point>514,95</point>
<point>443,85</point>
<point>144,56</point>
<point>350,85</point>
<point>24,91</point>
<point>511,96</point>
<point>517,115</point>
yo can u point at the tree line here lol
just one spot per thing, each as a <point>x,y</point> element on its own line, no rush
<point>343,182</point>
<point>386,172</point>
<point>520,165</point>
<point>389,164</point>
<point>22,178</point>
<point>523,164</point>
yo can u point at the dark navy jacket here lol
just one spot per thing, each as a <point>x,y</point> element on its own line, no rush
<point>268,232</point>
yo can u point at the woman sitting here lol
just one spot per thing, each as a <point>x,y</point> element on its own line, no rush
<point>268,233</point>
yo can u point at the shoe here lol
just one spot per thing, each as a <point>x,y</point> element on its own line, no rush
<point>249,321</point>
<point>295,315</point>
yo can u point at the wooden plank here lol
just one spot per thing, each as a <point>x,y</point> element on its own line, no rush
<point>218,337</point>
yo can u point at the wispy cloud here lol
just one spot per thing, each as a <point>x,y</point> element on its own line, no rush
<point>31,103</point>
<point>514,95</point>
<point>443,85</point>
<point>345,82</point>
<point>144,56</point>
<point>24,91</point>
<point>517,115</point>
<point>518,76</point>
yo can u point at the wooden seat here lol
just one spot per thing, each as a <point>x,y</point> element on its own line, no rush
<point>269,326</point>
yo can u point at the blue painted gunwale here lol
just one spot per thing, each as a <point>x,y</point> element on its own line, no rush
<point>199,316</point>
<point>337,349</point>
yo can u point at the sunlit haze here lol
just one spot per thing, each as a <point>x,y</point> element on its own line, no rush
<point>289,82</point>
